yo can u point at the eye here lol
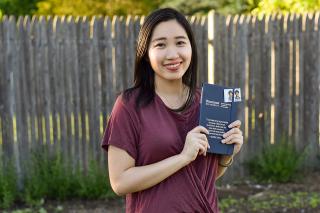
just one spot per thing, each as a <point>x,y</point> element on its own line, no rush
<point>160,45</point>
<point>181,43</point>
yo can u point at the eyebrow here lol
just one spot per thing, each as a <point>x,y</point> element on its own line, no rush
<point>164,38</point>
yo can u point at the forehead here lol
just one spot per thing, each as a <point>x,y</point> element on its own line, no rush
<point>168,29</point>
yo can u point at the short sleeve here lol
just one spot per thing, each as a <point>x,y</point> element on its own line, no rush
<point>122,129</point>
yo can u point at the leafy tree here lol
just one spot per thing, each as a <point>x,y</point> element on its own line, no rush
<point>295,6</point>
<point>96,7</point>
<point>193,7</point>
<point>18,7</point>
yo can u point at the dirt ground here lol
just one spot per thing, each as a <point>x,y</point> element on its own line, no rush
<point>232,198</point>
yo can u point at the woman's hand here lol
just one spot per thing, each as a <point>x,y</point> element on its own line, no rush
<point>196,143</point>
<point>234,136</point>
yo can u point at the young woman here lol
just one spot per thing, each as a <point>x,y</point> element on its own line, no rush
<point>156,150</point>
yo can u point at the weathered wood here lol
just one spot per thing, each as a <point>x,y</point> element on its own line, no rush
<point>266,79</point>
<point>95,113</point>
<point>118,54</point>
<point>301,42</point>
<point>52,39</point>
<point>68,81</point>
<point>130,50</point>
<point>8,96</point>
<point>311,90</point>
<point>38,84</point>
<point>292,30</point>
<point>2,88</point>
<point>84,33</point>
<point>250,78</point>
<point>21,115</point>
<point>107,75</point>
<point>203,26</point>
<point>241,69</point>
<point>229,51</point>
<point>259,87</point>
<point>283,79</point>
<point>72,27</point>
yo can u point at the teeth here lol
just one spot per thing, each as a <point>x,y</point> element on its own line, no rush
<point>173,65</point>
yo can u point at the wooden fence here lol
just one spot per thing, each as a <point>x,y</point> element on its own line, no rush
<point>59,77</point>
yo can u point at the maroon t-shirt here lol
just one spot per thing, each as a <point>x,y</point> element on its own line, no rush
<point>155,133</point>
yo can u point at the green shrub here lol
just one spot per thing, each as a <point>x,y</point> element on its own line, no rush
<point>279,162</point>
<point>52,177</point>
<point>95,183</point>
<point>8,187</point>
<point>48,177</point>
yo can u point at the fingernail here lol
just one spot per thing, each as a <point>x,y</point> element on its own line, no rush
<point>224,135</point>
<point>223,140</point>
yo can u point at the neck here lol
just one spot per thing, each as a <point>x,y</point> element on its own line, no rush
<point>174,94</point>
<point>171,88</point>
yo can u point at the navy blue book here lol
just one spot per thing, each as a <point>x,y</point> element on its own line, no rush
<point>217,110</point>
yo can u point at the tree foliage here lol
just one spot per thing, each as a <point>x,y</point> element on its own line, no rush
<point>18,7</point>
<point>144,7</point>
<point>96,7</point>
<point>192,7</point>
<point>286,6</point>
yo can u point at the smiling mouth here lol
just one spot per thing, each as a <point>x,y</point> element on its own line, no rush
<point>174,66</point>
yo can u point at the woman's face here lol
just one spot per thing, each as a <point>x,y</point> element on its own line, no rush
<point>169,51</point>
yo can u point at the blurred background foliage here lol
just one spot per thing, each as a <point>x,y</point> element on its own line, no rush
<point>143,7</point>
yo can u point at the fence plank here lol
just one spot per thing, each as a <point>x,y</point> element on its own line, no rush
<point>106,74</point>
<point>130,50</point>
<point>95,109</point>
<point>118,40</point>
<point>2,88</point>
<point>72,27</point>
<point>284,95</point>
<point>216,48</point>
<point>292,30</point>
<point>241,51</point>
<point>259,30</point>
<point>311,88</point>
<point>68,82</point>
<point>44,28</point>
<point>84,55</point>
<point>266,79</point>
<point>250,76</point>
<point>22,124</point>
<point>38,81</point>
<point>7,113</point>
<point>204,48</point>
<point>229,51</point>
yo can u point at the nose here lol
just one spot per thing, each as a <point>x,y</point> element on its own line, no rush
<point>172,53</point>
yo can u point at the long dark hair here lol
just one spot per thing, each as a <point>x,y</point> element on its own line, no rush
<point>143,73</point>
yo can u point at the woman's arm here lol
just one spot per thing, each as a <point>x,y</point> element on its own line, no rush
<point>127,178</point>
<point>223,160</point>
<point>233,136</point>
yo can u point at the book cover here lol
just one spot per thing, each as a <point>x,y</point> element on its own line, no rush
<point>218,108</point>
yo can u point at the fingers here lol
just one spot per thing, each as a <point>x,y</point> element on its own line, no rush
<point>235,138</point>
<point>236,124</point>
<point>200,129</point>
<point>232,131</point>
<point>202,148</point>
